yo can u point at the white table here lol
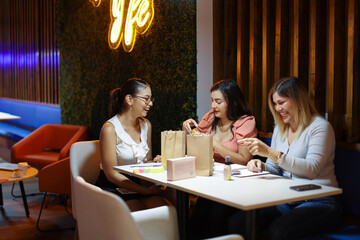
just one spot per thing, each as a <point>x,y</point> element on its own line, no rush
<point>8,116</point>
<point>248,193</point>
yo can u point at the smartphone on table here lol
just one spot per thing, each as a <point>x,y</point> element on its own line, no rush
<point>305,187</point>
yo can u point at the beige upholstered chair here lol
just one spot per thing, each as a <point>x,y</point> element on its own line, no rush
<point>104,215</point>
<point>84,162</point>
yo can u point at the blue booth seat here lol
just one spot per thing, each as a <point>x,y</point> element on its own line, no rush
<point>33,115</point>
<point>347,165</point>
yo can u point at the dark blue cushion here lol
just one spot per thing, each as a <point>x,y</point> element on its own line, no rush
<point>342,232</point>
<point>347,165</point>
<point>266,140</point>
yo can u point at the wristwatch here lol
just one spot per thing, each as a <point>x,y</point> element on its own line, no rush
<point>278,158</point>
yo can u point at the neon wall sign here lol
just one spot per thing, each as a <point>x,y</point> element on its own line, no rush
<point>124,28</point>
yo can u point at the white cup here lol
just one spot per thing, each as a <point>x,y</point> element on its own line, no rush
<point>23,167</point>
<point>16,173</point>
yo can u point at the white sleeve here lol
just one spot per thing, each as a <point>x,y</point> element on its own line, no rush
<point>270,166</point>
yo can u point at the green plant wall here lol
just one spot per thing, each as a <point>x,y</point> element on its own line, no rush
<point>165,56</point>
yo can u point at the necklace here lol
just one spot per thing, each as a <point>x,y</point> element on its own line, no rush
<point>225,128</point>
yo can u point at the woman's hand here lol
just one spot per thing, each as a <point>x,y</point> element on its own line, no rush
<point>157,158</point>
<point>255,146</point>
<point>255,165</point>
<point>188,124</point>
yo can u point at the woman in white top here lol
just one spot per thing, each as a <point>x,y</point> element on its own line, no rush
<point>126,139</point>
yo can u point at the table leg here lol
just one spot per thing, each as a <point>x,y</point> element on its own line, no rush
<point>24,198</point>
<point>1,196</point>
<point>250,231</point>
<point>183,213</point>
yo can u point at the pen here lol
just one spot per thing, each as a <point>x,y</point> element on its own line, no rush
<point>152,165</point>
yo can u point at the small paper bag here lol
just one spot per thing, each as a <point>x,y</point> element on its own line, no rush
<point>201,146</point>
<point>172,145</point>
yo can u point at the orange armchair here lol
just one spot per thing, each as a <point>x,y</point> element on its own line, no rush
<point>54,178</point>
<point>48,144</point>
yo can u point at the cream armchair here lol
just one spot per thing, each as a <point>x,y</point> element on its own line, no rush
<point>104,215</point>
<point>84,162</point>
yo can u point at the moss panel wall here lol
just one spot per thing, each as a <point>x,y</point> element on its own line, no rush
<point>165,56</point>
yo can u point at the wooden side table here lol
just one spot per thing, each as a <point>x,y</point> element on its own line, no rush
<point>6,176</point>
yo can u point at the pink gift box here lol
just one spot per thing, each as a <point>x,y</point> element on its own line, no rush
<point>180,168</point>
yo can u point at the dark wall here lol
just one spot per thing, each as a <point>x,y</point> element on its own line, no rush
<point>165,56</point>
<point>258,42</point>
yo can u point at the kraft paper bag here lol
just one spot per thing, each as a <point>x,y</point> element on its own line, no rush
<point>201,146</point>
<point>172,145</point>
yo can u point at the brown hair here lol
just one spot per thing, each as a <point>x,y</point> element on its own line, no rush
<point>292,88</point>
<point>117,96</point>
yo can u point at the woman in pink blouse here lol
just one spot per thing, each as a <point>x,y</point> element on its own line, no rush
<point>229,120</point>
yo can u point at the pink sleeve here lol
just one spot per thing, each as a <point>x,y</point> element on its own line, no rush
<point>245,128</point>
<point>205,124</point>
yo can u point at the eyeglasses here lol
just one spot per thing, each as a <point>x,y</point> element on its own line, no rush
<point>147,100</point>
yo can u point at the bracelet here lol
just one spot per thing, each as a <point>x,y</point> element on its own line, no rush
<point>278,158</point>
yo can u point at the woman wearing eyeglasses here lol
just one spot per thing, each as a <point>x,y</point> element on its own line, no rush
<point>126,139</point>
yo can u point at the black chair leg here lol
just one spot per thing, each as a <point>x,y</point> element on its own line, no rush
<point>38,220</point>
<point>12,190</point>
<point>1,197</point>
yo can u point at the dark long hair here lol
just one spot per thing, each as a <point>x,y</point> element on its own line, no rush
<point>237,106</point>
<point>117,96</point>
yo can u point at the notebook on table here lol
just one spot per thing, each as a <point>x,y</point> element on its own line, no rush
<point>8,166</point>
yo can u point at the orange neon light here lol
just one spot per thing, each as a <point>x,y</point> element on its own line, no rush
<point>139,16</point>
<point>96,3</point>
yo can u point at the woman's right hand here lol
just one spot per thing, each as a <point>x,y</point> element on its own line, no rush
<point>255,165</point>
<point>188,124</point>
